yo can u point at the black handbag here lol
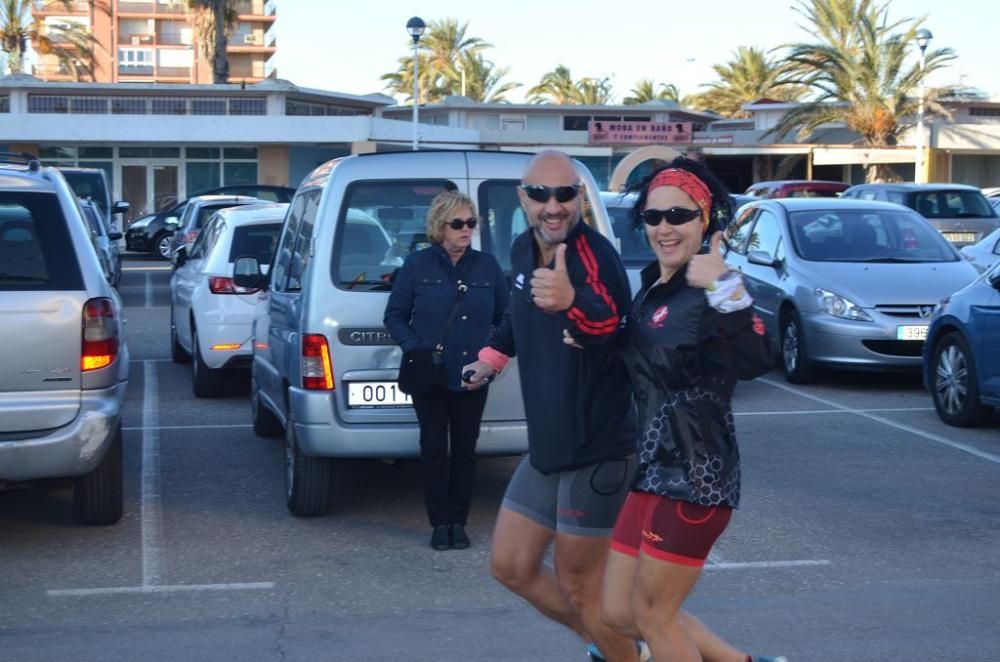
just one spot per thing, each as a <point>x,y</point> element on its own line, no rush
<point>422,369</point>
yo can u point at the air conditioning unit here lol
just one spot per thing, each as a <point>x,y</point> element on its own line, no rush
<point>250,38</point>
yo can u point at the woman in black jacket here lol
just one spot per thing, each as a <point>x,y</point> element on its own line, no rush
<point>691,335</point>
<point>423,297</point>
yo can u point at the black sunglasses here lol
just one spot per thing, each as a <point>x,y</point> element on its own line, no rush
<point>673,216</point>
<point>458,223</point>
<point>540,193</point>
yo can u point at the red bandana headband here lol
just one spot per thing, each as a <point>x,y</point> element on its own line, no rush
<point>690,184</point>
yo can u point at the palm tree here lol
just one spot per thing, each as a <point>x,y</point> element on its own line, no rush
<point>70,43</point>
<point>646,90</point>
<point>444,44</point>
<point>749,76</point>
<point>483,79</point>
<point>214,22</point>
<point>861,72</point>
<point>558,87</point>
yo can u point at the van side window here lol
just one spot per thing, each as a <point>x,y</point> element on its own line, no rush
<point>301,253</point>
<point>379,224</point>
<point>503,218</point>
<point>283,256</point>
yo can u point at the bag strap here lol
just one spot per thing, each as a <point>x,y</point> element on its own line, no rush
<point>462,289</point>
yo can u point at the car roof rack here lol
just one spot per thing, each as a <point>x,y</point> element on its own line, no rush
<point>21,158</point>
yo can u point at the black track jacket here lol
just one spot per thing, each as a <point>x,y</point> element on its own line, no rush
<point>578,402</point>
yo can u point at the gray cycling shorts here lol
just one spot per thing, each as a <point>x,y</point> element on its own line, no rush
<point>582,502</point>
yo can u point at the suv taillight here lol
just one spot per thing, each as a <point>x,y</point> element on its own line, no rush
<point>317,370</point>
<point>223,285</point>
<point>100,335</point>
<point>190,237</point>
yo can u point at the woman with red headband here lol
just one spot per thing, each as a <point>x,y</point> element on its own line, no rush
<point>691,335</point>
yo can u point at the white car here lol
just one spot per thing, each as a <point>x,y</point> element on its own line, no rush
<point>211,318</point>
<point>984,253</point>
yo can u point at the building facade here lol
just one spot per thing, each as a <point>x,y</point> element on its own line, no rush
<point>154,41</point>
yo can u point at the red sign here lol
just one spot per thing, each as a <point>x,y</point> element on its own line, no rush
<point>639,133</point>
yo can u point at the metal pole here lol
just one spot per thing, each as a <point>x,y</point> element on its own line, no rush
<point>416,92</point>
<point>918,175</point>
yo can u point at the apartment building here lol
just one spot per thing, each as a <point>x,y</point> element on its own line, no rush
<point>153,41</point>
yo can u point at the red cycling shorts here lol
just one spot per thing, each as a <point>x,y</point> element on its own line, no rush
<point>667,529</point>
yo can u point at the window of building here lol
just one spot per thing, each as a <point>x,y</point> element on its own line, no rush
<point>576,122</point>
<point>128,106</point>
<point>247,107</point>
<point>513,123</point>
<point>135,58</point>
<point>637,118</point>
<point>169,106</point>
<point>47,103</point>
<point>984,112</point>
<point>543,122</point>
<point>208,106</point>
<point>235,173</point>
<point>4,104</point>
<point>305,108</point>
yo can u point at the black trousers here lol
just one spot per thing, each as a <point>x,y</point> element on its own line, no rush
<point>449,476</point>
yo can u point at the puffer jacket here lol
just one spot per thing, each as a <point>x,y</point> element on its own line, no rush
<point>684,359</point>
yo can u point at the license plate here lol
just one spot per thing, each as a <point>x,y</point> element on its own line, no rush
<point>960,237</point>
<point>368,395</point>
<point>915,332</point>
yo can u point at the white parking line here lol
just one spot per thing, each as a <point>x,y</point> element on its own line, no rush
<point>152,519</point>
<point>177,588</point>
<point>764,564</point>
<point>146,268</point>
<point>151,361</point>
<point>899,426</point>
<point>801,412</point>
<point>149,291</point>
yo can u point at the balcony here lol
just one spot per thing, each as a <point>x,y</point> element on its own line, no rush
<point>173,72</point>
<point>144,70</point>
<point>171,39</point>
<point>55,7</point>
<point>135,39</point>
<point>150,8</point>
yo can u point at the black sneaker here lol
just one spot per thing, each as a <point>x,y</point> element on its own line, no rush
<point>441,537</point>
<point>459,539</point>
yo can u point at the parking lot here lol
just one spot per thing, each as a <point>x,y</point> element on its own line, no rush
<point>868,530</point>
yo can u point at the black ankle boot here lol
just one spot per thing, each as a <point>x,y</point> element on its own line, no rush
<point>441,537</point>
<point>459,539</point>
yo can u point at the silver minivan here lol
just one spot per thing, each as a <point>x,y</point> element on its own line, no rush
<point>64,367</point>
<point>324,368</point>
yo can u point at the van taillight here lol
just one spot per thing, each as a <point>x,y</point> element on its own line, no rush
<point>317,370</point>
<point>100,335</point>
<point>223,285</point>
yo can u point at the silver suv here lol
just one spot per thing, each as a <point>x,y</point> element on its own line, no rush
<point>64,366</point>
<point>324,368</point>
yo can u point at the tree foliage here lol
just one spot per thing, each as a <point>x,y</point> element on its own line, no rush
<point>72,44</point>
<point>558,87</point>
<point>214,22</point>
<point>863,71</point>
<point>748,76</point>
<point>646,90</point>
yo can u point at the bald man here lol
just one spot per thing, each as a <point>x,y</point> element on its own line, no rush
<point>568,297</point>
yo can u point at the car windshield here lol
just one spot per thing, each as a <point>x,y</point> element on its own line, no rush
<point>89,185</point>
<point>952,204</point>
<point>635,248</point>
<point>255,241</point>
<point>867,235</point>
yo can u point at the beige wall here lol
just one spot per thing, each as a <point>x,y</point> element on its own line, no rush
<point>272,165</point>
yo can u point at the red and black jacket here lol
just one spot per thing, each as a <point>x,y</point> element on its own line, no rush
<point>577,402</point>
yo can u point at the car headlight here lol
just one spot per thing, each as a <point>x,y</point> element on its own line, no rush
<point>838,306</point>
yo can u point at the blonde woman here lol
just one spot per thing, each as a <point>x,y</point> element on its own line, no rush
<point>448,295</point>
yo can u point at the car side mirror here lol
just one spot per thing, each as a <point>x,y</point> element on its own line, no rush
<point>180,257</point>
<point>762,258</point>
<point>173,221</point>
<point>114,236</point>
<point>120,207</point>
<point>247,273</point>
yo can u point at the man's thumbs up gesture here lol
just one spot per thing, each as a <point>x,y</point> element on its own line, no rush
<point>706,268</point>
<point>550,288</point>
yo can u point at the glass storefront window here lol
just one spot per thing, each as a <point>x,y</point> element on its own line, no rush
<point>97,153</point>
<point>57,153</point>
<point>240,152</point>
<point>201,176</point>
<point>203,152</point>
<point>240,173</point>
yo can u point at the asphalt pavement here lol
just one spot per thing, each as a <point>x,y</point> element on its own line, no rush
<point>868,530</point>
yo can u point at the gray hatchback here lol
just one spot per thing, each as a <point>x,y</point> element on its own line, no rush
<point>843,283</point>
<point>65,363</point>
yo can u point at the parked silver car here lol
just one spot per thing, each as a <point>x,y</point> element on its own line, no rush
<point>961,213</point>
<point>843,283</point>
<point>984,253</point>
<point>105,242</point>
<point>324,367</point>
<point>65,362</point>
<point>196,213</point>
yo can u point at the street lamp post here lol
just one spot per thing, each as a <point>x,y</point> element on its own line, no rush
<point>415,26</point>
<point>924,37</point>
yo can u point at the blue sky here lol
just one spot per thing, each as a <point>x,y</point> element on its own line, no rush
<point>336,45</point>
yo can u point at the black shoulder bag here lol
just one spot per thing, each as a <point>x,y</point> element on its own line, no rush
<point>422,369</point>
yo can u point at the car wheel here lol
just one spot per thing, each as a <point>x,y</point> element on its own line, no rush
<point>799,369</point>
<point>265,423</point>
<point>97,496</point>
<point>956,389</point>
<point>307,479</point>
<point>161,244</point>
<point>207,382</point>
<point>177,353</point>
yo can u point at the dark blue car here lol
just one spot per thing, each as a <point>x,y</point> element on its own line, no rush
<point>962,353</point>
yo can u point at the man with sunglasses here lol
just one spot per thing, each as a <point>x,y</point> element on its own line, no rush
<point>569,283</point>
